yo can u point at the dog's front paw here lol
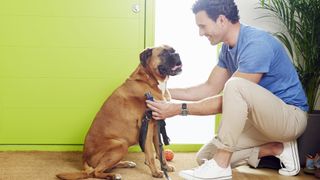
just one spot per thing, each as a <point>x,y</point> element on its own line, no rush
<point>170,168</point>
<point>125,164</point>
<point>117,177</point>
<point>158,174</point>
<point>130,164</point>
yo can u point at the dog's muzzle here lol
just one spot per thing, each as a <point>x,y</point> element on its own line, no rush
<point>172,65</point>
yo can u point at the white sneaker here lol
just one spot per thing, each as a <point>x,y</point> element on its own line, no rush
<point>290,159</point>
<point>209,170</point>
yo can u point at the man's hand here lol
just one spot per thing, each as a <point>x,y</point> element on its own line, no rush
<point>162,110</point>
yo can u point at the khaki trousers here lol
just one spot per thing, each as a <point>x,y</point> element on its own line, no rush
<point>251,117</point>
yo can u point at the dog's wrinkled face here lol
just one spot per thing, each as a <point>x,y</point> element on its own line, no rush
<point>170,62</point>
<point>163,60</point>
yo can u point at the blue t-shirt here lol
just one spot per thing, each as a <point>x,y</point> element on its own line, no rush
<point>257,51</point>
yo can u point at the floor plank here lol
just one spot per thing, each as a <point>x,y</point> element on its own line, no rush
<point>38,165</point>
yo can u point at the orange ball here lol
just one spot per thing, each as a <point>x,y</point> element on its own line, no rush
<point>168,154</point>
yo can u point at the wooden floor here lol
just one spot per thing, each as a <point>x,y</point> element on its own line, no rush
<point>247,173</point>
<point>45,165</point>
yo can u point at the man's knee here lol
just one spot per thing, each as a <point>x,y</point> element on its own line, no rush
<point>235,82</point>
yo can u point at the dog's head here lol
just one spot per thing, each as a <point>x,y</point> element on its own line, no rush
<point>162,60</point>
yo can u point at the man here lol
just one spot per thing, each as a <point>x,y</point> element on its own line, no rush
<point>263,104</point>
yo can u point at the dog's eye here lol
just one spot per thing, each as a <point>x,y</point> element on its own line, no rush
<point>165,53</point>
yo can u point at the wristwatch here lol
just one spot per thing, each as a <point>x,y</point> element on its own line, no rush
<point>184,109</point>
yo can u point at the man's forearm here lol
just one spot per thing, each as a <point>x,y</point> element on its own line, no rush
<point>194,93</point>
<point>207,106</point>
<point>179,94</point>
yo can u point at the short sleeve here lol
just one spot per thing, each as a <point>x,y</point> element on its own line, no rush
<point>222,57</point>
<point>256,58</point>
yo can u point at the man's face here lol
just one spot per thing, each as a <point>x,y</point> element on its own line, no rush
<point>207,27</point>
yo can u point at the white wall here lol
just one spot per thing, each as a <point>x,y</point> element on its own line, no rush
<point>249,14</point>
<point>175,26</point>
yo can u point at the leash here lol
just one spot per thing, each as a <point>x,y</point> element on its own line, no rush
<point>161,131</point>
<point>160,152</point>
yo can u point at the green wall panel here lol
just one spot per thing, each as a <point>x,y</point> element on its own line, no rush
<point>64,32</point>
<point>21,62</point>
<point>72,8</point>
<point>59,61</point>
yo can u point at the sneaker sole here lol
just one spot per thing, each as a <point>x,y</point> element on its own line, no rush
<point>296,170</point>
<point>189,177</point>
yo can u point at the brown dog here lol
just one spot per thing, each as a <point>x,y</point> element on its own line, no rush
<point>116,126</point>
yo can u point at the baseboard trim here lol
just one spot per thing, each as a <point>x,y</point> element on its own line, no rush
<point>40,147</point>
<point>79,147</point>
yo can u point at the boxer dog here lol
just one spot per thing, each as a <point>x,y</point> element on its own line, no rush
<point>116,126</point>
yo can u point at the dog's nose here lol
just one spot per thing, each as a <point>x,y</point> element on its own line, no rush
<point>178,63</point>
<point>175,55</point>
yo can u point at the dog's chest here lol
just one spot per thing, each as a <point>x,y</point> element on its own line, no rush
<point>163,86</point>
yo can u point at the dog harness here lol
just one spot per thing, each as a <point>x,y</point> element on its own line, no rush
<point>161,125</point>
<point>144,127</point>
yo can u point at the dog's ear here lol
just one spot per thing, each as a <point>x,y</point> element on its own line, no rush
<point>144,56</point>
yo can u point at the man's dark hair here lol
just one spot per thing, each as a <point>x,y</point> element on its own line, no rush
<point>214,8</point>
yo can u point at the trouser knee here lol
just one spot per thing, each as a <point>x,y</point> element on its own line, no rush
<point>234,83</point>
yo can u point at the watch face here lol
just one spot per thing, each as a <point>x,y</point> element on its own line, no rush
<point>184,106</point>
<point>184,110</point>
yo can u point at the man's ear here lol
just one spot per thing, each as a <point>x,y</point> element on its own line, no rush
<point>144,56</point>
<point>222,19</point>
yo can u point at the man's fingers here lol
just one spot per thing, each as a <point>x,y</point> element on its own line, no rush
<point>151,107</point>
<point>150,102</point>
<point>155,102</point>
<point>157,116</point>
<point>154,106</point>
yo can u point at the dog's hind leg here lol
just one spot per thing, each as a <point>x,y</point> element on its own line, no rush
<point>113,152</point>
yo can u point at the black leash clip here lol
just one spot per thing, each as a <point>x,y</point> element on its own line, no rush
<point>149,96</point>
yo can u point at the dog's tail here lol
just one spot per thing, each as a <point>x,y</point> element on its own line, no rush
<point>75,176</point>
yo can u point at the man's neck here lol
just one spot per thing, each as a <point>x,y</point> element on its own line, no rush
<point>233,34</point>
